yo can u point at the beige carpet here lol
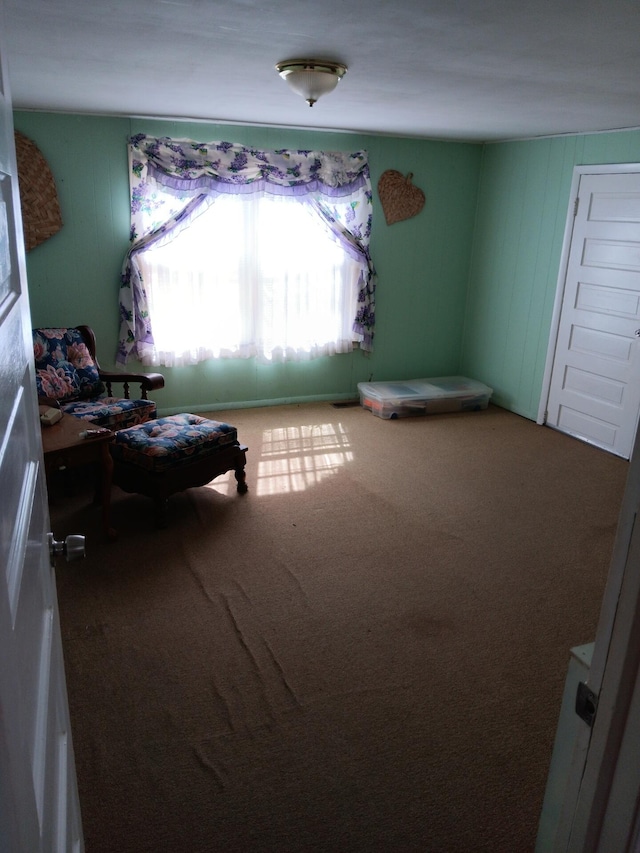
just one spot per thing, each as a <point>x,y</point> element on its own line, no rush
<point>364,653</point>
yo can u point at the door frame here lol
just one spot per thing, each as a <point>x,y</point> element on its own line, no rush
<point>578,172</point>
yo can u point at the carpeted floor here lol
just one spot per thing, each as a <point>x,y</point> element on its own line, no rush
<point>364,653</point>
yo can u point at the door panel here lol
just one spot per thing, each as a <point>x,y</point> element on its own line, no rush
<point>600,387</point>
<point>595,381</point>
<point>610,254</point>
<point>614,207</point>
<point>617,299</point>
<point>39,808</point>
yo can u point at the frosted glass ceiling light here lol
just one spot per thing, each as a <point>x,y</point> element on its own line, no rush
<point>311,78</point>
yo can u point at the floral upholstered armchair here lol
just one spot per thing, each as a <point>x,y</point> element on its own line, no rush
<point>69,377</point>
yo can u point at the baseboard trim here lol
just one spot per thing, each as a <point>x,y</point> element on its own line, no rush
<point>254,404</point>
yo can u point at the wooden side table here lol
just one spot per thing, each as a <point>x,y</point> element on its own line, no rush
<point>65,448</point>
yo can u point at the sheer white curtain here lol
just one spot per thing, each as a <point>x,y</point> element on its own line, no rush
<point>252,275</point>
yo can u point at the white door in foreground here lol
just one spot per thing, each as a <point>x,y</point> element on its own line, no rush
<point>39,810</point>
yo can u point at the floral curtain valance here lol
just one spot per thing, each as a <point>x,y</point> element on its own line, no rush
<point>183,163</point>
<point>171,178</point>
<point>186,168</point>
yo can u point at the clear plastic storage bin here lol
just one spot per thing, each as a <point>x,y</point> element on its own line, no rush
<point>424,396</point>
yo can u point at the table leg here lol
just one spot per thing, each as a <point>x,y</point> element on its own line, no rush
<point>107,477</point>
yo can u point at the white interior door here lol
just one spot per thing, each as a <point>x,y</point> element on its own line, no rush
<point>39,808</point>
<point>595,381</point>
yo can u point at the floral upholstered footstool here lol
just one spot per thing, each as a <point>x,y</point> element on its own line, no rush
<point>168,455</point>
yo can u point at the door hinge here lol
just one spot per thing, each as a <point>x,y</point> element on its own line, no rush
<point>575,206</point>
<point>586,703</point>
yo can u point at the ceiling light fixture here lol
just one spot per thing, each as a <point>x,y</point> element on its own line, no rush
<point>311,78</point>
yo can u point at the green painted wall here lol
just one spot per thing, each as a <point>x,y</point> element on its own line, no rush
<point>522,209</point>
<point>422,263</point>
<point>467,286</point>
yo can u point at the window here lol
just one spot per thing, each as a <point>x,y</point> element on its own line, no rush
<point>238,252</point>
<point>251,276</point>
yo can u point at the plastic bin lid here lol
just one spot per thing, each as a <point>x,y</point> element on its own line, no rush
<point>439,387</point>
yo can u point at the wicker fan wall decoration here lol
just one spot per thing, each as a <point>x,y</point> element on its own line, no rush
<point>399,198</point>
<point>41,216</point>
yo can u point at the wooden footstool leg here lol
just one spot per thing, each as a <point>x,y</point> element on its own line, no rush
<point>241,479</point>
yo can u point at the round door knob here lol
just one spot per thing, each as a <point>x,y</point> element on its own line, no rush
<point>637,333</point>
<point>72,548</point>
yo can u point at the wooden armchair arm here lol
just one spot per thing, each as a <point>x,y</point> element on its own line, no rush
<point>147,381</point>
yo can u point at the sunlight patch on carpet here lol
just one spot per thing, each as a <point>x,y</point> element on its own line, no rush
<point>295,458</point>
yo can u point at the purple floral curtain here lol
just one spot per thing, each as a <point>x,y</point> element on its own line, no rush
<point>173,180</point>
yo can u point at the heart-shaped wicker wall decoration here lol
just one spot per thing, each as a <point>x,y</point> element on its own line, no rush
<point>41,217</point>
<point>399,198</point>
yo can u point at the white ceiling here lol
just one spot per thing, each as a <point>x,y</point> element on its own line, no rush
<point>445,69</point>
